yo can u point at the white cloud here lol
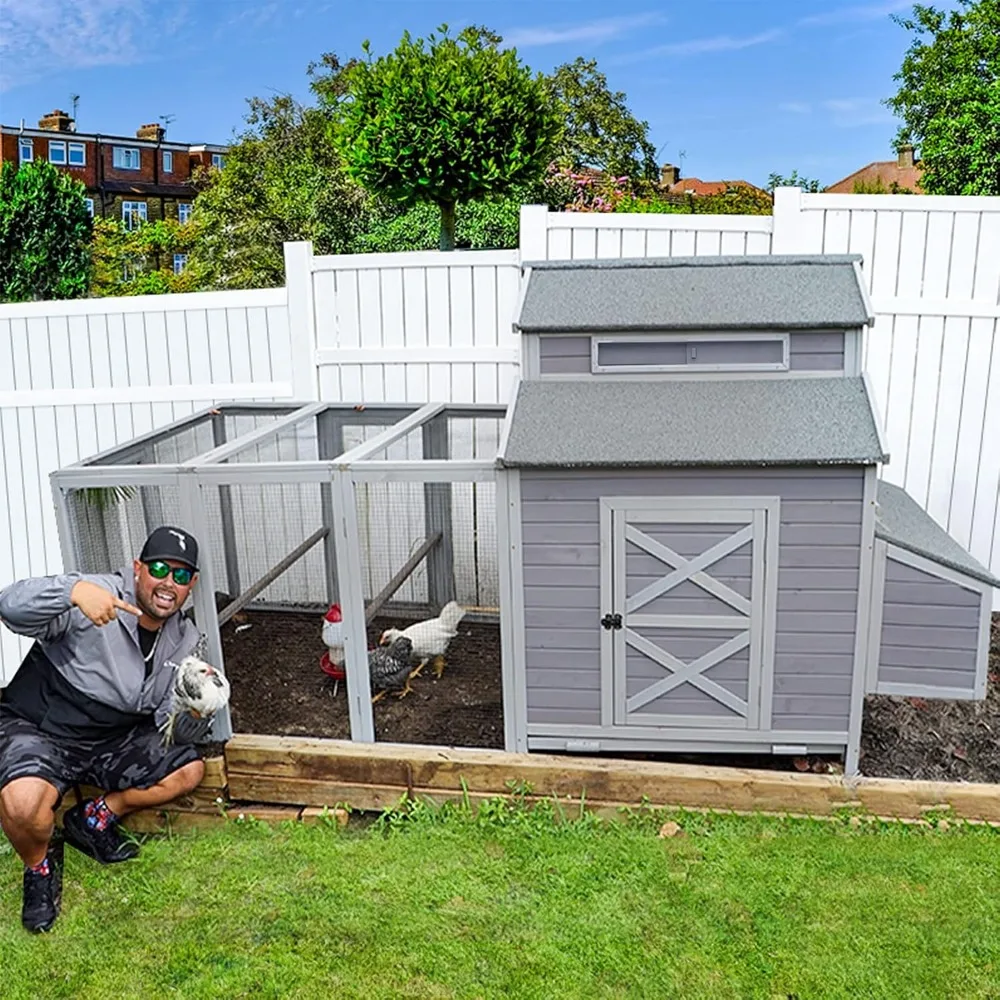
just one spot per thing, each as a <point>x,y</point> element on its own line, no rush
<point>590,31</point>
<point>795,107</point>
<point>855,14</point>
<point>854,111</point>
<point>700,46</point>
<point>38,37</point>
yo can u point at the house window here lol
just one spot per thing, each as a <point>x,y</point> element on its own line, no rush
<point>691,353</point>
<point>218,160</point>
<point>183,212</point>
<point>57,153</point>
<point>133,214</point>
<point>89,202</point>
<point>180,262</point>
<point>168,162</point>
<point>125,158</point>
<point>25,150</point>
<point>77,154</point>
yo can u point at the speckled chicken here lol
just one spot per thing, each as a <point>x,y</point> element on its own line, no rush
<point>198,689</point>
<point>390,668</point>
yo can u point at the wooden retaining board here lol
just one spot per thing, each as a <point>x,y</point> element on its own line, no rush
<point>316,772</point>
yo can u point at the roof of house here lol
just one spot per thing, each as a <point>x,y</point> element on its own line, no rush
<point>886,172</point>
<point>820,291</point>
<point>692,185</point>
<point>769,421</point>
<point>899,519</point>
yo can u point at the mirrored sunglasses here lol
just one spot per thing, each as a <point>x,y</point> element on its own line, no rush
<point>160,570</point>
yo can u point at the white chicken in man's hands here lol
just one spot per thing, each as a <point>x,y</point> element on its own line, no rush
<point>333,634</point>
<point>430,638</point>
<point>198,689</point>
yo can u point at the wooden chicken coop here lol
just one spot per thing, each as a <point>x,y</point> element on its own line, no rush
<point>677,527</point>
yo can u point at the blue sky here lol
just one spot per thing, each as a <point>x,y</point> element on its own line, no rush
<point>742,87</point>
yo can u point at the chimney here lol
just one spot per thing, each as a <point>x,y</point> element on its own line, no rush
<point>905,156</point>
<point>57,121</point>
<point>152,131</point>
<point>669,175</point>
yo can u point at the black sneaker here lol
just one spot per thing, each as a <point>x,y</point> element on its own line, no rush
<point>107,846</point>
<point>42,894</point>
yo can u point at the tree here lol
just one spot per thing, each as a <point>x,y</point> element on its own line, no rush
<point>141,261</point>
<point>452,120</point>
<point>44,234</point>
<point>600,131</point>
<point>949,96</point>
<point>283,180</point>
<point>792,180</point>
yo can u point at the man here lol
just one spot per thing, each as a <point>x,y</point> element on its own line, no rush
<point>84,706</point>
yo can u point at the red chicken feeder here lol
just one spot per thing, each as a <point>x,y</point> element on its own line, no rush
<point>332,670</point>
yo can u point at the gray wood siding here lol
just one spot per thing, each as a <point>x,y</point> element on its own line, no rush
<point>819,561</point>
<point>570,355</point>
<point>930,630</point>
<point>816,352</point>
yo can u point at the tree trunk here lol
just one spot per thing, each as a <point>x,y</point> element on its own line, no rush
<point>447,225</point>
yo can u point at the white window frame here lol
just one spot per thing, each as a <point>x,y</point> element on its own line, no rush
<point>25,144</point>
<point>79,148</point>
<point>89,202</point>
<point>58,146</point>
<point>184,210</point>
<point>691,337</point>
<point>183,259</point>
<point>218,160</point>
<point>168,161</point>
<point>130,209</point>
<point>121,155</point>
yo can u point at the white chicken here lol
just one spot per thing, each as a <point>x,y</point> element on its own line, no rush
<point>430,638</point>
<point>333,634</point>
<point>198,689</point>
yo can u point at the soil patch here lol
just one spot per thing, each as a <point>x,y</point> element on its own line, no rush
<point>278,688</point>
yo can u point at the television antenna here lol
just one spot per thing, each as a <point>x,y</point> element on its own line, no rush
<point>166,119</point>
<point>74,100</point>
<point>681,155</point>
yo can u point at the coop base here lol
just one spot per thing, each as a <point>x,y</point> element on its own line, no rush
<point>276,778</point>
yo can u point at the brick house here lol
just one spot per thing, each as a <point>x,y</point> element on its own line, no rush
<point>134,179</point>
<point>901,174</point>
<point>672,183</point>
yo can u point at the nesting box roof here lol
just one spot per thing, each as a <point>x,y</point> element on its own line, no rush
<point>899,519</point>
<point>767,421</point>
<point>772,292</point>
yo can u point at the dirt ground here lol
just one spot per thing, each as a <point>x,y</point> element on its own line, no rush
<point>279,688</point>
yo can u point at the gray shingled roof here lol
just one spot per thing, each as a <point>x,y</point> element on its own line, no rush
<point>768,421</point>
<point>776,292</point>
<point>902,521</point>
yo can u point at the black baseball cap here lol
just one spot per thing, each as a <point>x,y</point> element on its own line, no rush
<point>167,542</point>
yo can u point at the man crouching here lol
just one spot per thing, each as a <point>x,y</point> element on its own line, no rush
<point>84,706</point>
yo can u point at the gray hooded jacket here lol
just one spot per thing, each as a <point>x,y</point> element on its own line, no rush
<point>81,679</point>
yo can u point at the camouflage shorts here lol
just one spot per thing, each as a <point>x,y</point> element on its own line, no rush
<point>135,760</point>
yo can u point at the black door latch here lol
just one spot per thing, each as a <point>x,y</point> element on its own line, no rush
<point>611,621</point>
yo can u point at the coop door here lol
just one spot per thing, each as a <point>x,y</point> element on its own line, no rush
<point>685,630</point>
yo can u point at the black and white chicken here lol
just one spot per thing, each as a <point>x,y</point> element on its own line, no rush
<point>389,668</point>
<point>197,689</point>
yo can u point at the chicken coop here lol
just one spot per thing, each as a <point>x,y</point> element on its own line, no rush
<point>704,556</point>
<point>388,511</point>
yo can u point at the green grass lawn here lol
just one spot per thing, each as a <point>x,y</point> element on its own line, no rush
<point>514,905</point>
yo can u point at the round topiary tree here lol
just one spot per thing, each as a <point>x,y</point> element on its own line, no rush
<point>452,120</point>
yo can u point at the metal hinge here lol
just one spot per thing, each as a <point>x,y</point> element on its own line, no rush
<point>610,621</point>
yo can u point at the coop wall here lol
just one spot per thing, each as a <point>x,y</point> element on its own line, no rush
<point>808,351</point>
<point>817,599</point>
<point>930,632</point>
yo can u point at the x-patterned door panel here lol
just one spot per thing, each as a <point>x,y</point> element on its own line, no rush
<point>688,579</point>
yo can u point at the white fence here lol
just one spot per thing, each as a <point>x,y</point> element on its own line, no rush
<point>78,377</point>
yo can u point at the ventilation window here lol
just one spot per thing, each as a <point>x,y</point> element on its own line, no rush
<point>763,352</point>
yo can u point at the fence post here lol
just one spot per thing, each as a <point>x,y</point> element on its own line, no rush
<point>301,320</point>
<point>533,237</point>
<point>786,234</point>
